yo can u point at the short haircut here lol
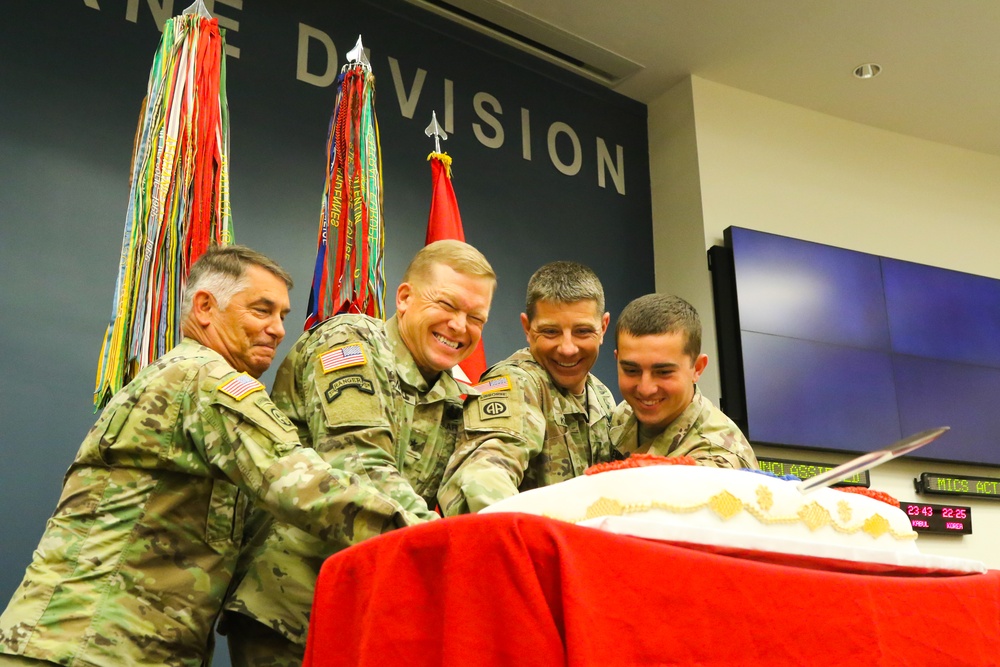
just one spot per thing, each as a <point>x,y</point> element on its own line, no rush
<point>457,255</point>
<point>564,282</point>
<point>657,314</point>
<point>222,272</point>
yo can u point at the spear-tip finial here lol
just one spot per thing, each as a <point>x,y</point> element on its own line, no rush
<point>357,55</point>
<point>434,130</point>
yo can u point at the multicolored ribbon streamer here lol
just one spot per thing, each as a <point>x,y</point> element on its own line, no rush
<point>178,200</point>
<point>349,274</point>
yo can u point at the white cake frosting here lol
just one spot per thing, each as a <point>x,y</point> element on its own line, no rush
<point>733,502</point>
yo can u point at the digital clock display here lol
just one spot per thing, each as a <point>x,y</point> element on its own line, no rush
<point>957,485</point>
<point>943,519</point>
<point>806,469</point>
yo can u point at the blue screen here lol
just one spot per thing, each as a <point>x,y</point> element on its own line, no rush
<point>818,395</point>
<point>809,291</point>
<point>850,351</point>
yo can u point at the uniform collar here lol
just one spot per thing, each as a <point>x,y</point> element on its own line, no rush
<point>566,402</point>
<point>626,436</point>
<point>445,387</point>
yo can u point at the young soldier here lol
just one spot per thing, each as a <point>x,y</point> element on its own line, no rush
<point>659,363</point>
<point>542,417</point>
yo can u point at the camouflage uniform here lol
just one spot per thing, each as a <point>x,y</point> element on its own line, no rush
<point>368,411</point>
<point>524,432</point>
<point>135,562</point>
<point>702,431</point>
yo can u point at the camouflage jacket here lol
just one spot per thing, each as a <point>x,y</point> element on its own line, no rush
<point>702,431</point>
<point>355,394</point>
<point>135,562</point>
<point>524,432</point>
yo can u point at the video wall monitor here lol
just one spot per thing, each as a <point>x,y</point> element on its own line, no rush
<point>828,348</point>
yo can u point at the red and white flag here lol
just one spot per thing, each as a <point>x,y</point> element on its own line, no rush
<point>446,223</point>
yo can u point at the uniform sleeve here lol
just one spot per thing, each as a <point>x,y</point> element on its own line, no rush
<point>503,430</point>
<point>256,447</point>
<point>718,447</point>
<point>350,413</point>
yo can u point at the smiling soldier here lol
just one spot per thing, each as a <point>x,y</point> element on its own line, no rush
<point>541,417</point>
<point>376,399</point>
<point>664,413</point>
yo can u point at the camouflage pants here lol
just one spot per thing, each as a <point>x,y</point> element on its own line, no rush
<point>253,644</point>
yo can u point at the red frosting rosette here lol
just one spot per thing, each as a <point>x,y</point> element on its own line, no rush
<point>871,493</point>
<point>640,461</point>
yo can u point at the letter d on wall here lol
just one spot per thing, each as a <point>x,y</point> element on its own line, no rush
<point>323,80</point>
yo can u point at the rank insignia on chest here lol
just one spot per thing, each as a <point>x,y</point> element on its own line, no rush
<point>240,386</point>
<point>345,356</point>
<point>348,382</point>
<point>493,384</point>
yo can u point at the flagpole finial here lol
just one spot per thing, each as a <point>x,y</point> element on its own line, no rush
<point>198,8</point>
<point>434,130</point>
<point>356,56</point>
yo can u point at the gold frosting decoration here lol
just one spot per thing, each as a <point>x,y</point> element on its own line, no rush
<point>727,505</point>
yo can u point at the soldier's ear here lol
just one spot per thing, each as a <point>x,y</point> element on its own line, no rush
<point>202,304</point>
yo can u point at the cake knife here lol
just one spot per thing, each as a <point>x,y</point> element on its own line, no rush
<point>871,459</point>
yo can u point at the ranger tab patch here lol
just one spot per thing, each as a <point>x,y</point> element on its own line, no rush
<point>348,382</point>
<point>493,384</point>
<point>345,356</point>
<point>241,386</point>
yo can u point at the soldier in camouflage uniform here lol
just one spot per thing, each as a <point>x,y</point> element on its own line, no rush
<point>376,399</point>
<point>542,417</point>
<point>135,562</point>
<point>664,413</point>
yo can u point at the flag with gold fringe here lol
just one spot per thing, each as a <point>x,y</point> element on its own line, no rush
<point>178,199</point>
<point>349,275</point>
<point>445,222</point>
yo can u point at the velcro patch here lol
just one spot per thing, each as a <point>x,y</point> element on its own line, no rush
<point>493,407</point>
<point>348,382</point>
<point>345,356</point>
<point>241,386</point>
<point>265,404</point>
<point>493,384</point>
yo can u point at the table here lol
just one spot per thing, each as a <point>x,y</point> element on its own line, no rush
<point>514,589</point>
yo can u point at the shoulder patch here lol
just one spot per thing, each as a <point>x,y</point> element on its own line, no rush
<point>344,356</point>
<point>493,407</point>
<point>493,384</point>
<point>265,404</point>
<point>240,386</point>
<point>347,382</point>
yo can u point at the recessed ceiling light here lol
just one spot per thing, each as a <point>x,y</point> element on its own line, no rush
<point>867,71</point>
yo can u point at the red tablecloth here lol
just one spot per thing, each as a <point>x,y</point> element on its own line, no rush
<point>512,589</point>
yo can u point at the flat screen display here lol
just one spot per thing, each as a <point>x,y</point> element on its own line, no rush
<point>842,350</point>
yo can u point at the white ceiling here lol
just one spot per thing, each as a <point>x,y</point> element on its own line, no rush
<point>941,58</point>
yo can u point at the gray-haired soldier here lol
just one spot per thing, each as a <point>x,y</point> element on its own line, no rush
<point>135,562</point>
<point>374,398</point>
<point>542,417</point>
<point>659,362</point>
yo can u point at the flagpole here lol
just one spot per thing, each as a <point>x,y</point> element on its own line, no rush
<point>445,222</point>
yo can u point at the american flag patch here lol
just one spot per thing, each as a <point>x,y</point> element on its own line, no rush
<point>344,356</point>
<point>493,384</point>
<point>241,386</point>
